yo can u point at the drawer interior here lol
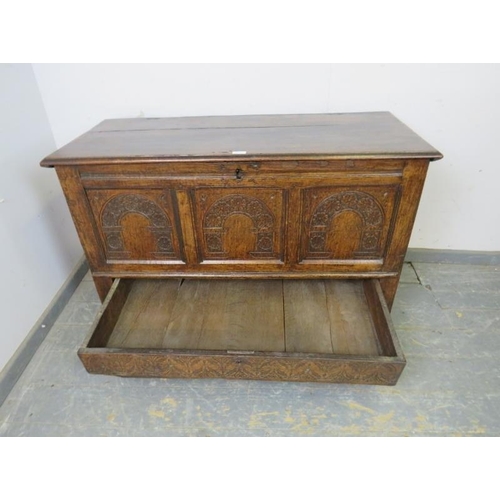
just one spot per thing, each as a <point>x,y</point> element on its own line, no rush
<point>303,330</point>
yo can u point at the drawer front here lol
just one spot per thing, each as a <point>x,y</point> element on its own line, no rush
<point>346,224</point>
<point>136,225</point>
<point>239,224</point>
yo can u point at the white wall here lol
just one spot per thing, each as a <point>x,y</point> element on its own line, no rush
<point>454,107</point>
<point>38,245</point>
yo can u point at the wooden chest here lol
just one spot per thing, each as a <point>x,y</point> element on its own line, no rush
<point>259,247</point>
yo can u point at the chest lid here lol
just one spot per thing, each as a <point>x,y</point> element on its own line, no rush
<point>222,138</point>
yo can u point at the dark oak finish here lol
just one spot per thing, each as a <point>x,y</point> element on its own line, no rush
<point>412,185</point>
<point>239,224</point>
<point>328,316</point>
<point>136,224</point>
<point>364,213</point>
<point>280,198</point>
<point>263,330</point>
<point>353,135</point>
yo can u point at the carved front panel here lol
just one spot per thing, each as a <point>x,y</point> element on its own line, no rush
<point>135,224</point>
<point>347,223</point>
<point>240,224</point>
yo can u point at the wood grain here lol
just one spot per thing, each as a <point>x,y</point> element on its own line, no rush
<point>307,318</point>
<point>136,224</point>
<point>191,307</point>
<point>346,223</point>
<point>193,314</point>
<point>413,182</point>
<point>142,323</point>
<point>201,315</point>
<point>265,330</point>
<point>243,224</point>
<point>202,364</point>
<point>351,324</point>
<point>189,166</point>
<point>335,135</point>
<point>103,327</point>
<point>244,316</point>
<point>184,214</point>
<point>314,197</point>
<point>387,339</point>
<point>102,285</point>
<point>82,215</point>
<point>213,219</point>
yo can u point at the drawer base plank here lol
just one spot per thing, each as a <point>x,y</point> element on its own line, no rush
<point>352,329</point>
<point>145,315</point>
<point>192,304</point>
<point>244,316</point>
<point>308,327</point>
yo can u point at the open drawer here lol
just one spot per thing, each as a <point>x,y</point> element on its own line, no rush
<point>295,330</point>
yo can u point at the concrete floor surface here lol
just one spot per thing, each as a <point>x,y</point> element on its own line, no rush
<point>447,318</point>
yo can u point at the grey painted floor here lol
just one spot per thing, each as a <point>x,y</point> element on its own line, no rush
<point>448,321</point>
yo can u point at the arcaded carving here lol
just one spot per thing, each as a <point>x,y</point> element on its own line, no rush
<point>260,215</point>
<point>364,205</point>
<point>124,204</point>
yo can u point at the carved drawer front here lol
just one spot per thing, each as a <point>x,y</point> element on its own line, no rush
<point>136,225</point>
<point>239,224</point>
<point>347,223</point>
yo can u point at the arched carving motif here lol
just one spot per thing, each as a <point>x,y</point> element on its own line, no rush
<point>364,205</point>
<point>260,215</point>
<point>124,204</point>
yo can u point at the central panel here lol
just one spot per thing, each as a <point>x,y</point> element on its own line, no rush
<point>244,224</point>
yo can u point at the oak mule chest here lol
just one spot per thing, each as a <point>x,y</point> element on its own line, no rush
<point>256,247</point>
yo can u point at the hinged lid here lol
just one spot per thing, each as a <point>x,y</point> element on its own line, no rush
<point>313,136</point>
